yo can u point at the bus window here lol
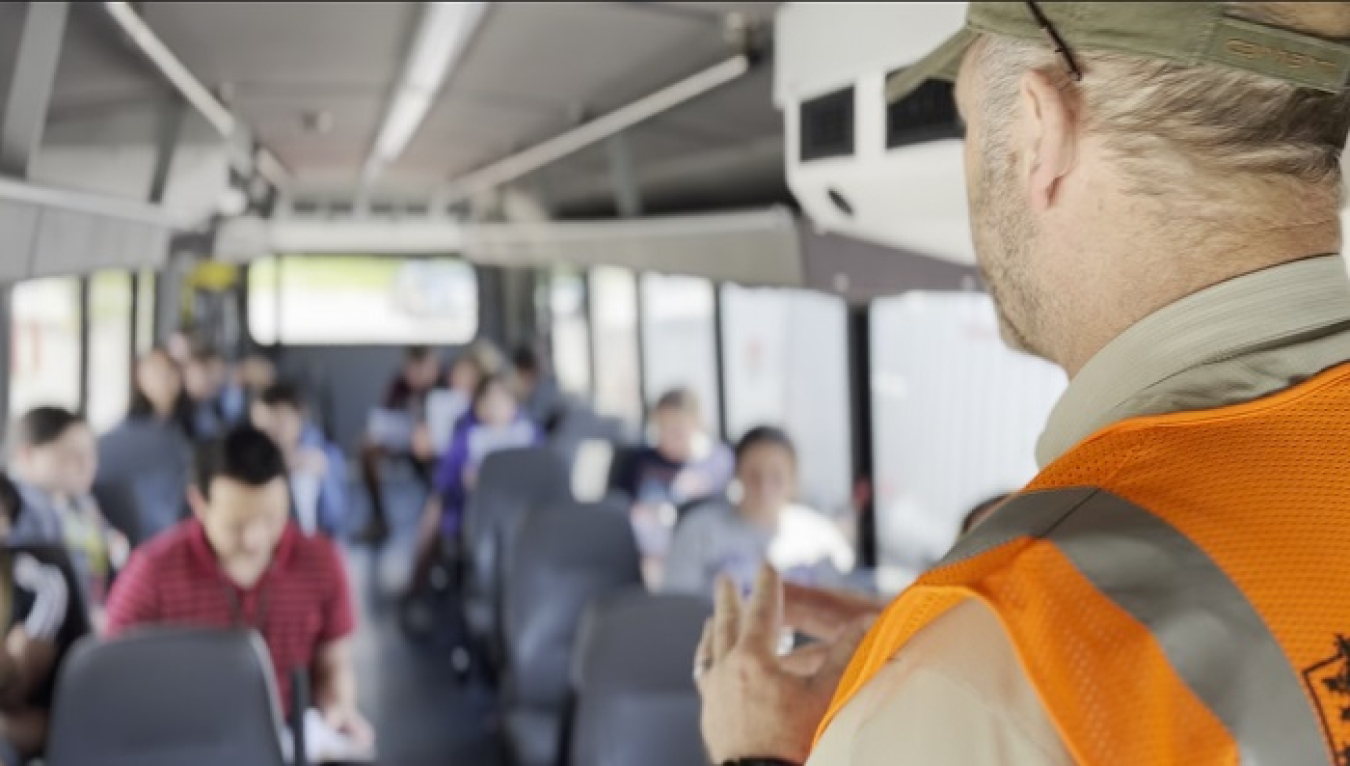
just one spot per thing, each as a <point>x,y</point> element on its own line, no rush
<point>614,322</point>
<point>110,330</point>
<point>354,300</point>
<point>45,366</point>
<point>680,348</point>
<point>786,364</point>
<point>571,331</point>
<point>145,308</point>
<point>955,416</point>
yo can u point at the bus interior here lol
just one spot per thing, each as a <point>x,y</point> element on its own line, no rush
<point>640,203</point>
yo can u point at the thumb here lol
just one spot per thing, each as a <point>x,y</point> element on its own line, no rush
<point>841,652</point>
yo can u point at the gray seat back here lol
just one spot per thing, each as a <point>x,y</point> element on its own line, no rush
<point>510,483</point>
<point>564,557</point>
<point>167,697</point>
<point>632,675</point>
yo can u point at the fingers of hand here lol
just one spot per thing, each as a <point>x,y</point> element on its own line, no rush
<point>823,614</point>
<point>703,655</point>
<point>726,618</point>
<point>764,616</point>
<point>841,652</point>
<point>806,661</point>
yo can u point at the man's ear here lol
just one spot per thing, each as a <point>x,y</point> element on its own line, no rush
<point>196,501</point>
<point>1049,137</point>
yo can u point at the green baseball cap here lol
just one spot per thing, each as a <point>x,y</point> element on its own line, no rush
<point>1185,32</point>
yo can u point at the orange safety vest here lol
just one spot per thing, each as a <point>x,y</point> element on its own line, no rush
<point>1177,587</point>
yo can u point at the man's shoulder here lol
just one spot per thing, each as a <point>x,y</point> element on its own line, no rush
<point>316,554</point>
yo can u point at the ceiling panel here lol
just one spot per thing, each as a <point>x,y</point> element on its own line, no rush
<point>97,69</point>
<point>283,60</point>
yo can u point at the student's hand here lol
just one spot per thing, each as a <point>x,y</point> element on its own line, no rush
<point>119,549</point>
<point>421,442</point>
<point>350,722</point>
<point>757,704</point>
<point>470,477</point>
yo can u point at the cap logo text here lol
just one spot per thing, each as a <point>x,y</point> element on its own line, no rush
<point>1292,59</point>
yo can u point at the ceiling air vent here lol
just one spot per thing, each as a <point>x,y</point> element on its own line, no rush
<point>927,114</point>
<point>827,126</point>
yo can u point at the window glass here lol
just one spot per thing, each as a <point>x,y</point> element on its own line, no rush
<point>679,345</point>
<point>350,300</point>
<point>571,331</point>
<point>109,348</point>
<point>45,366</point>
<point>145,308</point>
<point>786,365</point>
<point>614,318</point>
<point>956,415</point>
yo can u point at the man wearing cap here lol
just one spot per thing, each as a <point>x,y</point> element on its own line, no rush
<point>1155,193</point>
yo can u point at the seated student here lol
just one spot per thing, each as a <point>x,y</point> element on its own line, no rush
<point>494,423</point>
<point>240,563</point>
<point>406,396</point>
<point>150,450</point>
<point>54,461</point>
<point>318,469</point>
<point>34,613</point>
<point>685,464</point>
<point>445,407</point>
<point>721,538</point>
<point>216,401</point>
<point>536,389</point>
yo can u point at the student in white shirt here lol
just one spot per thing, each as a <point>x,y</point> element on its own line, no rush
<point>764,525</point>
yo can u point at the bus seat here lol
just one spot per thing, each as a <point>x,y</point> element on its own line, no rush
<point>635,695</point>
<point>621,465</point>
<point>117,500</point>
<point>510,483</point>
<point>167,697</point>
<point>563,557</point>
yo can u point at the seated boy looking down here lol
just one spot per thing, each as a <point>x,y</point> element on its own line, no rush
<point>240,562</point>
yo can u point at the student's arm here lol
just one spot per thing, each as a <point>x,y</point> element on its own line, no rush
<point>28,655</point>
<point>334,680</point>
<point>333,490</point>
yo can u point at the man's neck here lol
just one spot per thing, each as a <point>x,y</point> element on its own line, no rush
<point>1144,279</point>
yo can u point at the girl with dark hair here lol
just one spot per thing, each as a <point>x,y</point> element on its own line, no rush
<point>764,524</point>
<point>150,451</point>
<point>495,422</point>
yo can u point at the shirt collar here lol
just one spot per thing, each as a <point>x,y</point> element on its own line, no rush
<point>1258,311</point>
<point>205,556</point>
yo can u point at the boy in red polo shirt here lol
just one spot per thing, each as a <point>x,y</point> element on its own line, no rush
<point>240,562</point>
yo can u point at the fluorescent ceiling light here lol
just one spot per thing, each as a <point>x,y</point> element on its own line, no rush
<point>441,38</point>
<point>169,65</point>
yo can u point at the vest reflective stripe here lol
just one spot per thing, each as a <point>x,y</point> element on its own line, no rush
<point>1213,638</point>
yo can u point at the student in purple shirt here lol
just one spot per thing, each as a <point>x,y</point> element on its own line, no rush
<point>495,422</point>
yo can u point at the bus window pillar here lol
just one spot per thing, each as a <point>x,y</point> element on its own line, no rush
<point>21,125</point>
<point>628,203</point>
